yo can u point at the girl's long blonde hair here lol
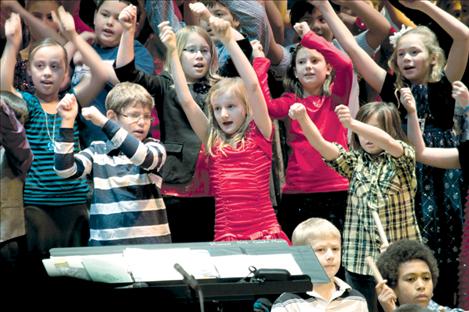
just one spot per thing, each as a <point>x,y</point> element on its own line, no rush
<point>434,50</point>
<point>217,137</point>
<point>182,36</point>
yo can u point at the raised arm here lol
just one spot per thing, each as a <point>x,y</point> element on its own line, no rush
<point>87,89</point>
<point>197,119</point>
<point>41,29</point>
<point>128,19</point>
<point>374,134</point>
<point>445,158</point>
<point>459,52</point>
<point>254,94</point>
<point>8,61</point>
<point>328,150</point>
<point>364,64</point>
<point>377,25</point>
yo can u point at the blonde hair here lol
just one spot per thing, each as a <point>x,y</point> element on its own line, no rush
<point>434,50</point>
<point>313,229</point>
<point>182,36</point>
<point>126,93</point>
<point>292,84</point>
<point>388,118</point>
<point>234,86</point>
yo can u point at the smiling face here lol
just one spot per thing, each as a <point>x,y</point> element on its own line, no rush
<point>413,58</point>
<point>318,24</point>
<point>415,284</point>
<point>47,69</point>
<point>195,57</point>
<point>229,112</point>
<point>220,11</point>
<point>311,70</point>
<point>107,28</point>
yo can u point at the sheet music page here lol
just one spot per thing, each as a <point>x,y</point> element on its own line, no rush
<point>158,264</point>
<point>66,266</point>
<point>110,268</point>
<point>238,265</point>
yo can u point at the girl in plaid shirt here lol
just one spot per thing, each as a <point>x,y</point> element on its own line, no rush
<point>381,171</point>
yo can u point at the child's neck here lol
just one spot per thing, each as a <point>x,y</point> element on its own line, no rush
<point>49,104</point>
<point>312,91</point>
<point>325,290</point>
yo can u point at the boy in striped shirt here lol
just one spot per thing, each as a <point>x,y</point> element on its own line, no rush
<point>127,207</point>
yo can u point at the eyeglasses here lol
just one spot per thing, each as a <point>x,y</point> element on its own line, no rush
<point>194,50</point>
<point>136,117</point>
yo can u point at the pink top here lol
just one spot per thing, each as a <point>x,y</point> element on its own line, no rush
<point>240,184</point>
<point>306,171</point>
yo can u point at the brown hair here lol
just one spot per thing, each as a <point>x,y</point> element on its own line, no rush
<point>126,93</point>
<point>387,116</point>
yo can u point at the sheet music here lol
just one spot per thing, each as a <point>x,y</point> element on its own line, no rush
<point>158,264</point>
<point>238,265</point>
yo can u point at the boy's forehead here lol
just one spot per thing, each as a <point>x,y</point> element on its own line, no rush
<point>113,5</point>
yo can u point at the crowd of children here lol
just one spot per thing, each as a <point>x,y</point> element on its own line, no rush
<point>373,124</point>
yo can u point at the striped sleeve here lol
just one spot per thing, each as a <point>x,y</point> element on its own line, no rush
<point>66,163</point>
<point>150,155</point>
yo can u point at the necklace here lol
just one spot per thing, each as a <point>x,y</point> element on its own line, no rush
<point>50,145</point>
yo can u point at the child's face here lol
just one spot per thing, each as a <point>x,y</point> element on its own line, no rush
<point>195,58</point>
<point>229,112</point>
<point>42,10</point>
<point>318,24</point>
<point>414,284</point>
<point>413,58</point>
<point>47,69</point>
<point>367,145</point>
<point>311,70</point>
<point>327,249</point>
<point>107,28</point>
<point>222,12</point>
<point>136,119</point>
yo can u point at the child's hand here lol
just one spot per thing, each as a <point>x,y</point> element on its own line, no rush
<point>343,113</point>
<point>407,99</point>
<point>93,114</point>
<point>65,22</point>
<point>167,36</point>
<point>68,107</point>
<point>200,10</point>
<point>13,30</point>
<point>220,28</point>
<point>302,29</point>
<point>88,36</point>
<point>128,18</point>
<point>257,49</point>
<point>460,94</point>
<point>386,296</point>
<point>297,111</point>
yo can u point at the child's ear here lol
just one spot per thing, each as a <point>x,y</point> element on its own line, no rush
<point>111,114</point>
<point>329,68</point>
<point>433,59</point>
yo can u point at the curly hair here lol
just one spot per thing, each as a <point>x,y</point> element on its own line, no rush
<point>403,251</point>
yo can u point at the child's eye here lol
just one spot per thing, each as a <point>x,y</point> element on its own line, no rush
<point>104,14</point>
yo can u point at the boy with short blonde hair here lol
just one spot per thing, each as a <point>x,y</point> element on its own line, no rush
<point>127,207</point>
<point>325,239</point>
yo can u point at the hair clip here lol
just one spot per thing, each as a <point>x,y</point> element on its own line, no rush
<point>398,34</point>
